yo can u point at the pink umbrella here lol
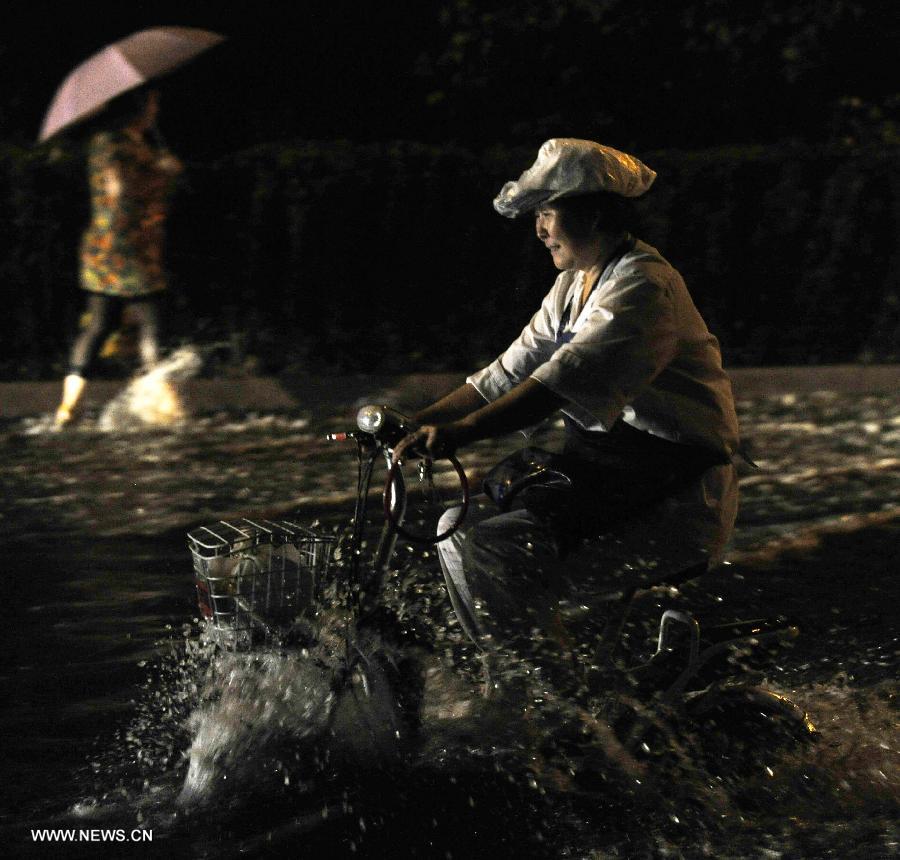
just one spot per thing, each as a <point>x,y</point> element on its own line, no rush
<point>120,67</point>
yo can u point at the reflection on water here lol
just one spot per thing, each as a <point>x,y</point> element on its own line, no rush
<point>123,714</point>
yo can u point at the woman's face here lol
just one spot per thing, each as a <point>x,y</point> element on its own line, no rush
<point>567,251</point>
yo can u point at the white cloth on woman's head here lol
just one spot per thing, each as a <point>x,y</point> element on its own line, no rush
<point>566,167</point>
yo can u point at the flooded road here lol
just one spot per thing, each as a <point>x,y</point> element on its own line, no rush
<point>106,683</point>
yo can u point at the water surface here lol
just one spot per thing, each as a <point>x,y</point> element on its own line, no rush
<point>107,685</point>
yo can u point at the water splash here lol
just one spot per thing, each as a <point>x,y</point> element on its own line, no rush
<point>258,707</point>
<point>282,740</point>
<point>275,719</point>
<point>151,399</point>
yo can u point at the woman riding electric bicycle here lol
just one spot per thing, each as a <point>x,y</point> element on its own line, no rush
<point>645,486</point>
<point>644,493</point>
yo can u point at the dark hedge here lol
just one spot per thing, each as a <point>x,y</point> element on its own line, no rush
<point>330,255</point>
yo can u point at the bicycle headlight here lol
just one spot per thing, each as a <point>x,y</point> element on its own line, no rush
<point>370,419</point>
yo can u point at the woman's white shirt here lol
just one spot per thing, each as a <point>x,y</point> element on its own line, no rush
<point>639,350</point>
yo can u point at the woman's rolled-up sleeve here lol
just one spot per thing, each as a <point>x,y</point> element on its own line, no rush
<point>628,337</point>
<point>532,348</point>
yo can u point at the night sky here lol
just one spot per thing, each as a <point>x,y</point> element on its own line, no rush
<point>690,75</point>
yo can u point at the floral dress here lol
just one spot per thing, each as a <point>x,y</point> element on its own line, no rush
<point>121,251</point>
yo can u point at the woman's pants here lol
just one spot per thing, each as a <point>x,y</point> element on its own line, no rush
<point>508,573</point>
<point>105,312</point>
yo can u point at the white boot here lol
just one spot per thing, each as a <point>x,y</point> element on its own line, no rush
<point>73,386</point>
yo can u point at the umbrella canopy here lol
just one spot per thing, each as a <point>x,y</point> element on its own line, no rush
<point>120,67</point>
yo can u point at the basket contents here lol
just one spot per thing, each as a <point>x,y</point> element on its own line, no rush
<point>257,578</point>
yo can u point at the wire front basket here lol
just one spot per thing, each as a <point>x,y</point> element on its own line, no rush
<point>256,579</point>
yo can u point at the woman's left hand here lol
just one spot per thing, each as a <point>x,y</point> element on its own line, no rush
<point>433,441</point>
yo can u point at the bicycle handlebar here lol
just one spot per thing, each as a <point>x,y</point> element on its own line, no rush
<point>387,427</point>
<point>381,423</point>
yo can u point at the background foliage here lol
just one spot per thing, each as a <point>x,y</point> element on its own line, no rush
<point>334,255</point>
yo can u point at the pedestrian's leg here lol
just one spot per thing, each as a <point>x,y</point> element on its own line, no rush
<point>84,350</point>
<point>87,344</point>
<point>73,386</point>
<point>146,314</point>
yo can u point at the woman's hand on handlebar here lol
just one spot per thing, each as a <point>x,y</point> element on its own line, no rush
<point>432,441</point>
